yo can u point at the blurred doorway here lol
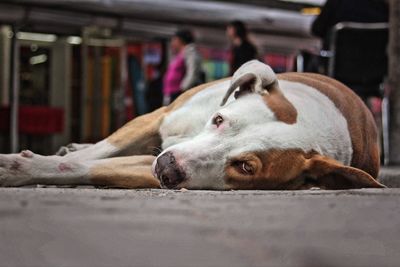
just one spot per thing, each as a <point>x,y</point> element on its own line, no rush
<point>103,80</point>
<point>43,85</point>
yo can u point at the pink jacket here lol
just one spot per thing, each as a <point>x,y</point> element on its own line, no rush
<point>174,75</point>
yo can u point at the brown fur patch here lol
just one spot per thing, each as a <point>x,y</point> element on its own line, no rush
<point>295,169</point>
<point>274,169</point>
<point>360,122</point>
<point>141,135</point>
<point>284,110</point>
<point>124,172</point>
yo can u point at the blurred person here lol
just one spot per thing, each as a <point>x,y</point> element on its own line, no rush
<point>184,70</point>
<point>335,11</point>
<point>154,92</point>
<point>242,49</point>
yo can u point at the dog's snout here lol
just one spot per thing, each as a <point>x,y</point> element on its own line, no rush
<point>168,171</point>
<point>166,159</point>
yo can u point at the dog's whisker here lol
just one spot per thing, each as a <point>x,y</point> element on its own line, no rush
<point>156,151</point>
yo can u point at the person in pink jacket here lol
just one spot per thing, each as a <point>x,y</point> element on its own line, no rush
<point>184,70</point>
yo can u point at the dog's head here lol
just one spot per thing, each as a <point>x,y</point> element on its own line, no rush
<point>249,144</point>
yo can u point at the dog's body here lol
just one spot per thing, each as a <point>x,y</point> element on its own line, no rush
<point>294,131</point>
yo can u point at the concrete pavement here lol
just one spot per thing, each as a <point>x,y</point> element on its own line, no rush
<point>98,227</point>
<point>390,176</point>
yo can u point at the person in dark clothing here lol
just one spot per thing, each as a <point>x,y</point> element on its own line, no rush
<point>335,11</point>
<point>242,49</point>
<point>154,94</point>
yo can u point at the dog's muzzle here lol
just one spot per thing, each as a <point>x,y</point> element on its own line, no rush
<point>168,171</point>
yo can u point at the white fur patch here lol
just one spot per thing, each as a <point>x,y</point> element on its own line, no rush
<point>319,123</point>
<point>189,120</point>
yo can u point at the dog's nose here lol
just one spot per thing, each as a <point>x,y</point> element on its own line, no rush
<point>167,170</point>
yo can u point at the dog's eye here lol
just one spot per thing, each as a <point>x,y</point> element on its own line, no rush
<point>218,120</point>
<point>244,167</point>
<point>247,168</point>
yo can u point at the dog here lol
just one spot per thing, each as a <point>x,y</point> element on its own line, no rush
<point>255,130</point>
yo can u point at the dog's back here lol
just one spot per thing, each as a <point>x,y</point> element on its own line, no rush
<point>360,123</point>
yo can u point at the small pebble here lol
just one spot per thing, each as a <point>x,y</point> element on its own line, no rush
<point>315,188</point>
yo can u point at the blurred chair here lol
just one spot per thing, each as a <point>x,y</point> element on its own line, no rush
<point>358,58</point>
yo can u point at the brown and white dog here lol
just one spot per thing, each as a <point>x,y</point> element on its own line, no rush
<point>287,131</point>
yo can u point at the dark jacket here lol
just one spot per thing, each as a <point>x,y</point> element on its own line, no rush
<point>336,11</point>
<point>241,54</point>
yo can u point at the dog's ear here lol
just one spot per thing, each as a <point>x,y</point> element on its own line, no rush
<point>331,174</point>
<point>253,77</point>
<point>257,77</point>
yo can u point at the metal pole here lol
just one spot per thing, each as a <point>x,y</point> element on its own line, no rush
<point>84,84</point>
<point>14,92</point>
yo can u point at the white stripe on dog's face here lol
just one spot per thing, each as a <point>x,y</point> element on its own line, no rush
<point>248,125</point>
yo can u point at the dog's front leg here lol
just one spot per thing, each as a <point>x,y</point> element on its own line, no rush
<point>123,172</point>
<point>138,137</point>
<point>28,168</point>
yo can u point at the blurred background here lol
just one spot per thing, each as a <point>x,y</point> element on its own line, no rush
<point>75,71</point>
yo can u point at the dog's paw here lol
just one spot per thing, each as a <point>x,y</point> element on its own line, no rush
<point>27,168</point>
<point>14,168</point>
<point>64,150</point>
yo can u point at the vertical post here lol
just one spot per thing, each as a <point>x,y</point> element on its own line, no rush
<point>14,92</point>
<point>85,79</point>
<point>121,109</point>
<point>5,50</point>
<point>394,81</point>
<point>60,87</point>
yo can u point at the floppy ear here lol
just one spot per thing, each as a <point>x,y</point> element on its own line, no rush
<point>331,174</point>
<point>252,77</point>
<point>257,77</point>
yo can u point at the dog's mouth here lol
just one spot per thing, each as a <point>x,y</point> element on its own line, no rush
<point>168,171</point>
<point>166,182</point>
<point>171,179</point>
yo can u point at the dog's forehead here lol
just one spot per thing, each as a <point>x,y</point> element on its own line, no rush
<point>251,108</point>
<point>253,125</point>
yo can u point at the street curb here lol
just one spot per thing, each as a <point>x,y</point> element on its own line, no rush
<point>390,176</point>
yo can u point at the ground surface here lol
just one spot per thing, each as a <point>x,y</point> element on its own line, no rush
<point>93,227</point>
